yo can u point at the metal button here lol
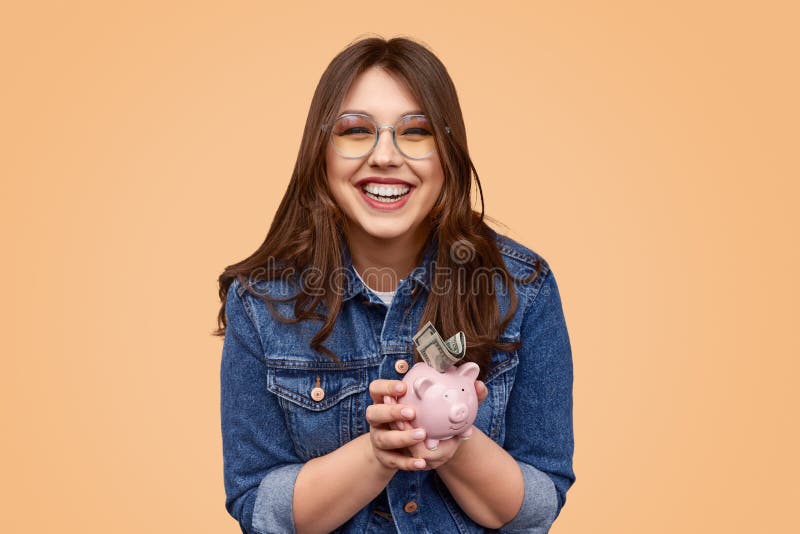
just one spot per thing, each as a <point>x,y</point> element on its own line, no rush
<point>410,507</point>
<point>318,393</point>
<point>401,366</point>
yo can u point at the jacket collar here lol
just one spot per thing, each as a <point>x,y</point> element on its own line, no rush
<point>421,274</point>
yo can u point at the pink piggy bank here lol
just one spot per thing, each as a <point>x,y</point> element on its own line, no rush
<point>445,403</point>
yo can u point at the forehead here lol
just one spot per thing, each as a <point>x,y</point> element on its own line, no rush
<point>379,94</point>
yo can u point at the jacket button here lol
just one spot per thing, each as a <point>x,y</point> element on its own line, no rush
<point>401,366</point>
<point>317,394</point>
<point>410,507</point>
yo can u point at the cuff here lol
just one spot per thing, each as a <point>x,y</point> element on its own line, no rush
<point>539,504</point>
<point>272,511</point>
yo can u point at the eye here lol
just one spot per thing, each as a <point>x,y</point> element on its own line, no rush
<point>416,125</point>
<point>416,131</point>
<point>462,389</point>
<point>353,125</point>
<point>356,130</point>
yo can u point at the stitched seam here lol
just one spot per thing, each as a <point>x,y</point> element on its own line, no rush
<point>451,506</point>
<point>502,367</point>
<point>344,419</point>
<point>324,366</point>
<point>288,394</point>
<point>296,443</point>
<point>248,311</point>
<point>507,250</point>
<point>536,290</point>
<point>327,402</point>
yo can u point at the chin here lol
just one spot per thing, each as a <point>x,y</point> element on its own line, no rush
<point>385,229</point>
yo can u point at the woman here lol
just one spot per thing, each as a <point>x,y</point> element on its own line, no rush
<point>374,237</point>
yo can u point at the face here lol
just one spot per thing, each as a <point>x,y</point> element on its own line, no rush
<point>361,187</point>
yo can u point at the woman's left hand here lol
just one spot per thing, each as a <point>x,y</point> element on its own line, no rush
<point>447,448</point>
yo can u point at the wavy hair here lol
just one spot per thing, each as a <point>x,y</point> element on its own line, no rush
<point>308,227</point>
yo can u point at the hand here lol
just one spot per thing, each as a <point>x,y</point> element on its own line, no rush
<point>447,448</point>
<point>389,445</point>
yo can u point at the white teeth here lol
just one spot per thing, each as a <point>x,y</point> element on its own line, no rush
<point>382,199</point>
<point>387,190</point>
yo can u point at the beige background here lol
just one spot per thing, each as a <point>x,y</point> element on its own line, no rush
<point>648,150</point>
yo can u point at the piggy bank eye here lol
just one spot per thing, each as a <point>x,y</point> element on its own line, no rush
<point>462,389</point>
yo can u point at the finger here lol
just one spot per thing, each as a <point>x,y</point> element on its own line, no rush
<point>396,439</point>
<point>445,449</point>
<point>380,414</point>
<point>379,388</point>
<point>396,460</point>
<point>481,390</point>
<point>396,425</point>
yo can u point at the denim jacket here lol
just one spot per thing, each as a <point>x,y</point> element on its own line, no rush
<point>271,424</point>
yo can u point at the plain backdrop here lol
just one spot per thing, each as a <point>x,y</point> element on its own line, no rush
<point>648,150</point>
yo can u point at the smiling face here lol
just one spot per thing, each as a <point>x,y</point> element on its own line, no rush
<point>384,194</point>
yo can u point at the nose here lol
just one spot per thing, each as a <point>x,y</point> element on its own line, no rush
<point>385,153</point>
<point>458,412</point>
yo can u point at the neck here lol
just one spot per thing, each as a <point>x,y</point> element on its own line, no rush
<point>383,262</point>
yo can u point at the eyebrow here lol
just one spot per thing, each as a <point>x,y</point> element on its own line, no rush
<point>362,112</point>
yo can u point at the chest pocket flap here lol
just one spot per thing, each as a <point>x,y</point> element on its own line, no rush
<point>316,389</point>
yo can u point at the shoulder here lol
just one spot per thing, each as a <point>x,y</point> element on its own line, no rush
<point>257,286</point>
<point>249,297</point>
<point>526,265</point>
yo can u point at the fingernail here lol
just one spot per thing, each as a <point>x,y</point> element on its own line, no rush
<point>419,464</point>
<point>406,412</point>
<point>398,387</point>
<point>419,434</point>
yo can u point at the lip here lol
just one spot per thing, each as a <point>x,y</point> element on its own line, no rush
<point>383,206</point>
<point>381,180</point>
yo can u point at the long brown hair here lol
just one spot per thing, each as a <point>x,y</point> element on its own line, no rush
<point>308,226</point>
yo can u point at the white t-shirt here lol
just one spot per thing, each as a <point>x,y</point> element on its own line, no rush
<point>385,296</point>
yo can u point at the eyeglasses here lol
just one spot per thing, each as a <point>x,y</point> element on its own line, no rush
<point>355,135</point>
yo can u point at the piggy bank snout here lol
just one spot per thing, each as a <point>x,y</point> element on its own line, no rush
<point>458,412</point>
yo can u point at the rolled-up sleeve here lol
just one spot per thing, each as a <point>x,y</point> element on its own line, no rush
<point>260,465</point>
<point>539,430</point>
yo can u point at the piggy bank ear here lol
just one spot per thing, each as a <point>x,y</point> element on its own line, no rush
<point>469,370</point>
<point>421,385</point>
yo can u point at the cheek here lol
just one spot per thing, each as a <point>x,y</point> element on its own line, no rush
<point>436,171</point>
<point>331,167</point>
<point>433,176</point>
<point>339,171</point>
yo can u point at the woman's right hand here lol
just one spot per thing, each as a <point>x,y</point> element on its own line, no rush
<point>389,445</point>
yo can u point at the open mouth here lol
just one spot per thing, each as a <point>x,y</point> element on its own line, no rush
<point>385,193</point>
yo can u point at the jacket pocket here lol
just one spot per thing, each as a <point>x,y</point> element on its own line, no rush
<point>499,381</point>
<point>322,403</point>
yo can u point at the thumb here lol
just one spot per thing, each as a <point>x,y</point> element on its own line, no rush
<point>481,390</point>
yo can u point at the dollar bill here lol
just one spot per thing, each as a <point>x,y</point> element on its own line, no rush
<point>436,352</point>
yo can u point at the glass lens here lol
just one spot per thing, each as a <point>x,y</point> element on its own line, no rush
<point>415,136</point>
<point>353,135</point>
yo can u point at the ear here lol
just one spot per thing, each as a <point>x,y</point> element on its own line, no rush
<point>421,385</point>
<point>469,370</point>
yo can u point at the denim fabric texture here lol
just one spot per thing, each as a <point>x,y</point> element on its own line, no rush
<point>271,425</point>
